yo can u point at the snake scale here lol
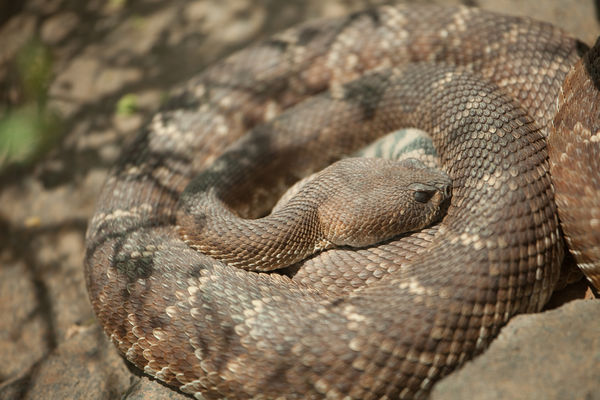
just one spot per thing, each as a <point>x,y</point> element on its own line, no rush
<point>485,86</point>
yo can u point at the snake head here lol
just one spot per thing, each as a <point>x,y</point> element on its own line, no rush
<point>376,199</point>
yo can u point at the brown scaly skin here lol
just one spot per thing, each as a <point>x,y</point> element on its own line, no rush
<point>574,148</point>
<point>198,325</point>
<point>355,202</point>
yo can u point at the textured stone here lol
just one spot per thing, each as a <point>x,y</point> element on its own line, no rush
<point>146,388</point>
<point>551,355</point>
<point>80,366</point>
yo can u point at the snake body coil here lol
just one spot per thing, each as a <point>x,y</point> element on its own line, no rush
<point>483,85</point>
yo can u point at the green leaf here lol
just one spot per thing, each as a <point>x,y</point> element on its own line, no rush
<point>127,105</point>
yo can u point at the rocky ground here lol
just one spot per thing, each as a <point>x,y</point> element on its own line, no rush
<point>79,79</point>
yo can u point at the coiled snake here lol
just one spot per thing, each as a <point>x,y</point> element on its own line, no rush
<point>485,87</point>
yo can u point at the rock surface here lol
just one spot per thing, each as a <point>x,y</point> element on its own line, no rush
<point>551,355</point>
<point>113,63</point>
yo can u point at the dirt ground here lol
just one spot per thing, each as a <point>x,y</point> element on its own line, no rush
<point>100,69</point>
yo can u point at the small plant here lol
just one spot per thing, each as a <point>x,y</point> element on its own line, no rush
<point>29,128</point>
<point>127,105</point>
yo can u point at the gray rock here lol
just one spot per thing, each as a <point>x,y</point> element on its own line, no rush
<point>146,389</point>
<point>84,366</point>
<point>551,355</point>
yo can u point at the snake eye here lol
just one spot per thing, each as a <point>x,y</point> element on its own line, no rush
<point>423,196</point>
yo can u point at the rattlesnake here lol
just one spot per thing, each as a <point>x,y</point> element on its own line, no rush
<point>484,86</point>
